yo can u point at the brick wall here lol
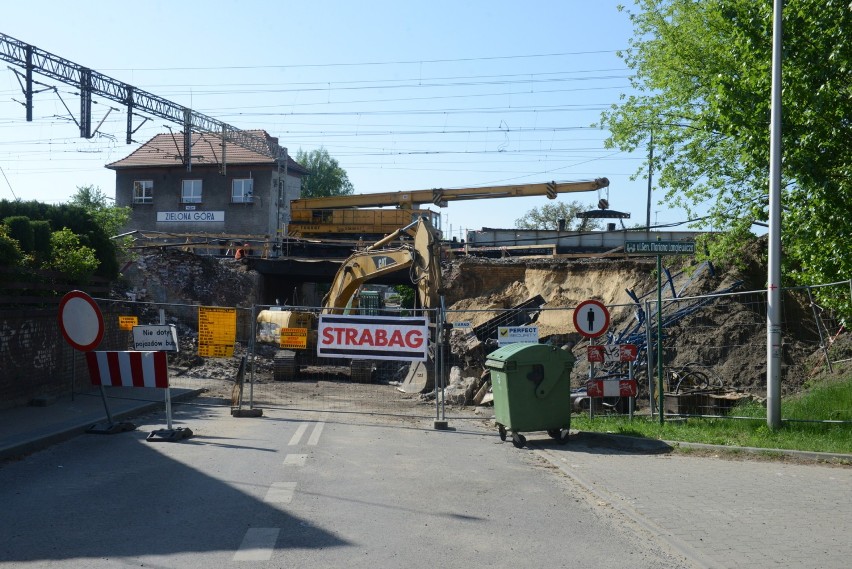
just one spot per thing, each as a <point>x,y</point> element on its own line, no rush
<point>36,361</point>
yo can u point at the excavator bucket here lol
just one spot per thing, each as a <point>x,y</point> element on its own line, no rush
<point>420,378</point>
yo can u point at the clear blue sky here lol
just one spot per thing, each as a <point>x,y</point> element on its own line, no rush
<point>406,95</point>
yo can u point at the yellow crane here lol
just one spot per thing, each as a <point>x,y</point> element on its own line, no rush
<point>360,215</point>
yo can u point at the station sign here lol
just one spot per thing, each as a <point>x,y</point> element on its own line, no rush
<point>659,247</point>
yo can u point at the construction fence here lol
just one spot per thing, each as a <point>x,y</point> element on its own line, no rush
<point>713,354</point>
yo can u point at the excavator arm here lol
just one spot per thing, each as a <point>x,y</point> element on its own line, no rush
<point>421,256</point>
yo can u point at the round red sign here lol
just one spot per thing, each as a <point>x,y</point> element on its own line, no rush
<point>591,318</point>
<point>81,321</point>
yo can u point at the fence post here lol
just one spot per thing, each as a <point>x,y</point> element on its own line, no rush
<point>649,353</point>
<point>818,322</point>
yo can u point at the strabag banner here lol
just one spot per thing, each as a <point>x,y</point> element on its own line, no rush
<point>373,337</point>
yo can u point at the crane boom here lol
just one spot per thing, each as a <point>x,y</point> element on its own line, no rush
<point>440,196</point>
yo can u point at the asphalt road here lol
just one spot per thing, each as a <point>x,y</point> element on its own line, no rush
<point>285,490</point>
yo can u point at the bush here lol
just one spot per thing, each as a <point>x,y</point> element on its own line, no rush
<point>21,230</point>
<point>41,240</point>
<point>71,257</point>
<point>10,250</point>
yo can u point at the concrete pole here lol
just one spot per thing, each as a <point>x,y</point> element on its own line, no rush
<point>773,312</point>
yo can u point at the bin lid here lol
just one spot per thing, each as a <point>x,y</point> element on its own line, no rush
<point>525,352</point>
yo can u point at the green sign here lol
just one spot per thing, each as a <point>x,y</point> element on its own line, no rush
<point>659,247</point>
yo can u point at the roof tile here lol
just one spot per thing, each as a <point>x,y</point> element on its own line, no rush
<point>167,150</point>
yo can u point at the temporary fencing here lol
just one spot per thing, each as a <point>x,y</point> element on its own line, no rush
<point>713,353</point>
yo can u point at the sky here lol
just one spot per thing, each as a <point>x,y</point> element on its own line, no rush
<point>405,95</point>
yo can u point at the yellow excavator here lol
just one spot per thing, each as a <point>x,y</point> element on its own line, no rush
<point>420,255</point>
<point>359,216</point>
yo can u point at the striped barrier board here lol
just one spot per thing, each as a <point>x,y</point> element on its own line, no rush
<point>128,369</point>
<point>612,388</point>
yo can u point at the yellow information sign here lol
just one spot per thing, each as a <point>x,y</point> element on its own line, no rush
<point>127,322</point>
<point>217,331</point>
<point>294,338</point>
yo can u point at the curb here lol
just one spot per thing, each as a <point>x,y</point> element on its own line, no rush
<point>28,446</point>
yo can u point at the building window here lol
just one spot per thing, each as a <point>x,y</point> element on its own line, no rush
<point>242,190</point>
<point>143,191</point>
<point>190,191</point>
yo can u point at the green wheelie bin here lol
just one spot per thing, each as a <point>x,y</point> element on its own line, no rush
<point>532,390</point>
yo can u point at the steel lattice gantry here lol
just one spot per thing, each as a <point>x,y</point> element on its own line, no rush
<point>35,60</point>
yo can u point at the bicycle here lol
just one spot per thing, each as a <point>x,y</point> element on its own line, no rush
<point>687,378</point>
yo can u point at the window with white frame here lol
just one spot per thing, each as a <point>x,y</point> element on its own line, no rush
<point>143,191</point>
<point>190,191</point>
<point>242,190</point>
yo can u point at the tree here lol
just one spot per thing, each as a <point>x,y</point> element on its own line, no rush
<point>548,216</point>
<point>702,72</point>
<point>110,217</point>
<point>326,177</point>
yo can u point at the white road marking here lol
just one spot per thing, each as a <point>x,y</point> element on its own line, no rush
<point>294,440</point>
<point>258,544</point>
<point>315,434</point>
<point>295,459</point>
<point>280,492</point>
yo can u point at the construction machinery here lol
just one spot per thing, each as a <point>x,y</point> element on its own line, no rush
<point>420,255</point>
<point>360,216</point>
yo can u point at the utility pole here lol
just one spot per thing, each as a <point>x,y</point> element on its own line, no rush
<point>650,176</point>
<point>773,293</point>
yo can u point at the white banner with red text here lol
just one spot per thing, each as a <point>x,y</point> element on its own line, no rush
<point>373,337</point>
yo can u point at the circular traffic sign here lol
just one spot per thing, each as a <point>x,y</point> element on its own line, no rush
<point>81,321</point>
<point>591,318</point>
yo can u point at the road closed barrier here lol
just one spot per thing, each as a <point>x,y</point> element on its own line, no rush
<point>128,369</point>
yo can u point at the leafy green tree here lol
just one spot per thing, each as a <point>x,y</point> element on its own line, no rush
<point>702,76</point>
<point>110,217</point>
<point>70,256</point>
<point>549,215</point>
<point>326,177</point>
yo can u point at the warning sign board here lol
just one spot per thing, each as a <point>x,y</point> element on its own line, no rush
<point>217,331</point>
<point>293,338</point>
<point>127,322</point>
<point>609,353</point>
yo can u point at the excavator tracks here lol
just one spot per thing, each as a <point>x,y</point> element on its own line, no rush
<point>284,366</point>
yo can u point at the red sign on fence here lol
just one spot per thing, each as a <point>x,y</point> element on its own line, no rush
<point>612,388</point>
<point>612,353</point>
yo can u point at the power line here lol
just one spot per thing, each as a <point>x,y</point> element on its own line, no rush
<point>365,63</point>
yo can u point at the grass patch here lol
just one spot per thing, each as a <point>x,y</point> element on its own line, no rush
<point>827,401</point>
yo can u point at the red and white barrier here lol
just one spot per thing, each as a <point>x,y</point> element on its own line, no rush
<point>612,388</point>
<point>128,369</point>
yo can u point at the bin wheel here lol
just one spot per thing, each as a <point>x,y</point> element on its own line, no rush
<point>560,435</point>
<point>502,430</point>
<point>518,440</point>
